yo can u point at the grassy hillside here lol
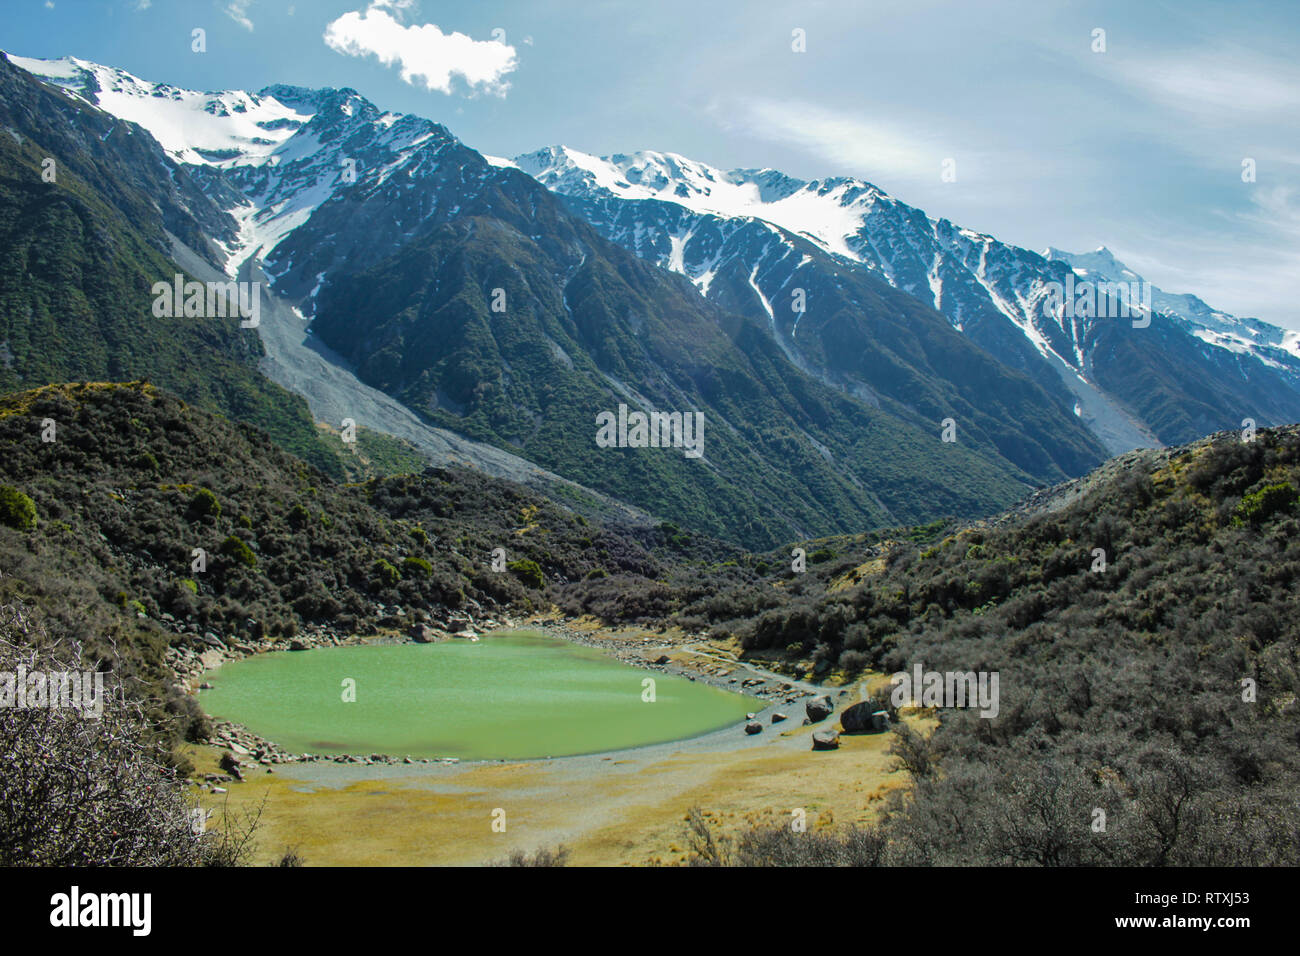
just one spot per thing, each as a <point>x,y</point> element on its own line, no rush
<point>1121,687</point>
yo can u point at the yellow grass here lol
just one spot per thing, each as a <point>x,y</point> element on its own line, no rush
<point>616,810</point>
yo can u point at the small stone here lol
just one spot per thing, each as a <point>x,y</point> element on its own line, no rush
<point>825,740</point>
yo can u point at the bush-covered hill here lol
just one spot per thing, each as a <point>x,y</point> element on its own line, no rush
<point>1121,685</point>
<point>1161,686</point>
<point>98,530</point>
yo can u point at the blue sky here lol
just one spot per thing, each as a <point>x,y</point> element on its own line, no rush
<point>1139,147</point>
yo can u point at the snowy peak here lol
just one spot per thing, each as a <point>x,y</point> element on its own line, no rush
<point>1100,264</point>
<point>217,129</point>
<point>1240,335</point>
<point>960,272</point>
<point>828,212</point>
<point>642,175</point>
<point>287,150</point>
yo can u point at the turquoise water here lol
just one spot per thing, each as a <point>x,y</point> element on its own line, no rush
<point>510,695</point>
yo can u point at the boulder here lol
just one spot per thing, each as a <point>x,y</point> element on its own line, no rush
<point>753,727</point>
<point>661,659</point>
<point>865,717</point>
<point>825,740</point>
<point>777,718</point>
<point>425,634</point>
<point>230,764</point>
<point>819,708</point>
<point>297,645</point>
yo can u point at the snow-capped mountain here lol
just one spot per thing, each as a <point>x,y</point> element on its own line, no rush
<point>690,217</point>
<point>286,150</point>
<point>395,239</point>
<point>1267,342</point>
<point>391,236</point>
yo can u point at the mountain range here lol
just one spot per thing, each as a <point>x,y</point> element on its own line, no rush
<point>749,236</point>
<point>488,311</point>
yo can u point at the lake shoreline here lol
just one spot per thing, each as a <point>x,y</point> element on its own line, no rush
<point>649,652</point>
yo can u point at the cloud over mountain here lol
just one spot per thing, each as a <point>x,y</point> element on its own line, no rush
<point>424,54</point>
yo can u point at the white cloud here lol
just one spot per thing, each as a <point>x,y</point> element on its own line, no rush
<point>858,146</point>
<point>423,53</point>
<point>237,10</point>
<point>1209,83</point>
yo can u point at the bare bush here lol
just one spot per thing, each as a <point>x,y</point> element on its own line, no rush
<point>84,790</point>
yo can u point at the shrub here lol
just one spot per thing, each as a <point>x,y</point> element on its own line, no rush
<point>16,509</point>
<point>544,856</point>
<point>235,549</point>
<point>384,574</point>
<point>1259,506</point>
<point>80,792</point>
<point>527,571</point>
<point>204,504</point>
<point>298,516</point>
<point>854,661</point>
<point>146,462</point>
<point>417,565</point>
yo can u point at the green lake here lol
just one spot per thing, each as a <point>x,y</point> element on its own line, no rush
<point>507,696</point>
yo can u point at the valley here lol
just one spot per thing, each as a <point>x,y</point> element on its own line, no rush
<point>370,473</point>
